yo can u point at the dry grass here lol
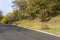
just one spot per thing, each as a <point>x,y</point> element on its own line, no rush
<point>31,24</point>
<point>53,24</point>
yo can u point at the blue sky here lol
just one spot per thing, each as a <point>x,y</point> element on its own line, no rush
<point>5,6</point>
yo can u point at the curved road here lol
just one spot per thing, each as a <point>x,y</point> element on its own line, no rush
<point>12,32</point>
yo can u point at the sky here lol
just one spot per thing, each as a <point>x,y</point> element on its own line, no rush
<point>5,6</point>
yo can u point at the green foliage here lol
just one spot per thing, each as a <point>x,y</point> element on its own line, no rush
<point>31,9</point>
<point>44,9</point>
<point>20,4</point>
<point>1,15</point>
<point>4,20</point>
<point>7,19</point>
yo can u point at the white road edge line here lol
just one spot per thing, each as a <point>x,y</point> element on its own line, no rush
<point>45,32</point>
<point>42,31</point>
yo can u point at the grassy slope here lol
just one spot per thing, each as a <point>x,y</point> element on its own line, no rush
<point>53,24</point>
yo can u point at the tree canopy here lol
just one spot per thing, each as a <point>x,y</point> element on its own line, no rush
<point>31,9</point>
<point>44,9</point>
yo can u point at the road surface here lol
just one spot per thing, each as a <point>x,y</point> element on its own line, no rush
<point>12,32</point>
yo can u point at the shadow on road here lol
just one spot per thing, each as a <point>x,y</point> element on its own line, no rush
<point>7,28</point>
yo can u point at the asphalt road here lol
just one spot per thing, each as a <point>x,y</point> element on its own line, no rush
<point>12,32</point>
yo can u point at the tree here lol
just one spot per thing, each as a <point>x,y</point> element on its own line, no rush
<point>1,15</point>
<point>20,4</point>
<point>4,19</point>
<point>7,19</point>
<point>44,9</point>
